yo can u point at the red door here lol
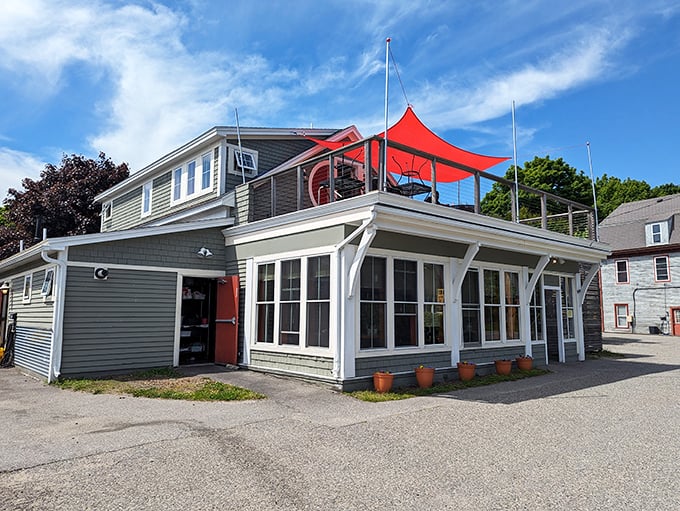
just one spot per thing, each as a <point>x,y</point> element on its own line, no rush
<point>675,320</point>
<point>226,321</point>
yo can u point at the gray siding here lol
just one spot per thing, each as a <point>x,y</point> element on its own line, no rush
<point>396,363</point>
<point>272,153</point>
<point>32,349</point>
<point>124,323</point>
<point>570,352</point>
<point>647,300</point>
<point>488,355</point>
<point>37,313</point>
<point>126,211</point>
<point>176,250</point>
<point>300,241</point>
<point>302,364</point>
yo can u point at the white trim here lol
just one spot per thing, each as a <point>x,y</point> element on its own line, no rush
<point>28,286</point>
<point>59,294</point>
<point>178,321</point>
<point>364,245</point>
<point>189,272</point>
<point>148,185</point>
<point>249,310</point>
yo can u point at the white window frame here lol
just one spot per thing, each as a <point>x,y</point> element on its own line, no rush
<point>420,259</point>
<point>28,288</point>
<point>668,268</point>
<point>503,306</point>
<point>301,347</point>
<point>147,198</point>
<point>568,306</point>
<point>180,181</point>
<point>537,311</point>
<point>234,162</point>
<point>47,289</point>
<point>618,316</point>
<point>207,157</point>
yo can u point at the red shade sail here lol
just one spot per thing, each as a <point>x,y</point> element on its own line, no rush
<point>410,131</point>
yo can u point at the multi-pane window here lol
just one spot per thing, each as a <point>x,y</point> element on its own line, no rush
<point>373,303</point>
<point>622,271</point>
<point>511,305</point>
<point>318,300</point>
<point>177,184</point>
<point>146,198</point>
<point>536,314</point>
<point>290,302</point>
<point>28,284</point>
<point>265,303</point>
<point>191,177</point>
<point>656,233</point>
<point>46,290</point>
<point>471,308</point>
<point>661,270</point>
<point>433,305</point>
<point>405,303</point>
<point>492,305</point>
<point>205,171</point>
<point>567,308</point>
<point>621,313</point>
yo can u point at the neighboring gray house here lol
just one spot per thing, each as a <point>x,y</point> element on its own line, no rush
<point>640,280</point>
<point>302,271</point>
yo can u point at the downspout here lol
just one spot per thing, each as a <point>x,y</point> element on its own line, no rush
<point>338,363</point>
<point>57,314</point>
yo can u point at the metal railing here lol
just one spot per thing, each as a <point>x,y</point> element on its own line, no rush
<point>307,185</point>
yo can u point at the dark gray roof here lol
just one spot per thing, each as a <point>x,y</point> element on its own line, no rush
<point>624,228</point>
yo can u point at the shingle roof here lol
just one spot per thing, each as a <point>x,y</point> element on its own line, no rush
<point>624,228</point>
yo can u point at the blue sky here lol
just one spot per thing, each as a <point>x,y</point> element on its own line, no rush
<point>138,79</point>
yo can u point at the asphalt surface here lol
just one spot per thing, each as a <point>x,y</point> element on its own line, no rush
<point>603,434</point>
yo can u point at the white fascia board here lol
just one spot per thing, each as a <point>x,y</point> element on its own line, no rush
<point>210,137</point>
<point>218,204</point>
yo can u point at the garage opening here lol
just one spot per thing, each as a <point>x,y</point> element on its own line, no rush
<point>197,335</point>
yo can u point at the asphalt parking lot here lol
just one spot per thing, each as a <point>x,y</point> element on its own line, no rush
<point>603,434</point>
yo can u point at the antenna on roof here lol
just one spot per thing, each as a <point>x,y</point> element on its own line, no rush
<point>240,149</point>
<point>514,156</point>
<point>592,182</point>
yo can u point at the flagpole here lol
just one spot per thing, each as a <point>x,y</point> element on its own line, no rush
<point>592,183</point>
<point>240,149</point>
<point>387,83</point>
<point>514,157</point>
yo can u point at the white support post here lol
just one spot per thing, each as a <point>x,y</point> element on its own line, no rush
<point>525,308</point>
<point>459,269</point>
<point>347,316</point>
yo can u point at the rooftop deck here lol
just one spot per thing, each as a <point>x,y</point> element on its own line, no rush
<point>310,184</point>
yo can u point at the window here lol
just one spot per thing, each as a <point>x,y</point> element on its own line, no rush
<point>490,306</point>
<point>106,211</point>
<point>146,198</point>
<point>622,272</point>
<point>290,302</point>
<point>177,184</point>
<point>621,313</point>
<point>318,301</point>
<point>46,289</point>
<point>191,177</point>
<point>405,303</point>
<point>471,309</point>
<point>246,160</point>
<point>28,283</point>
<point>242,162</point>
<point>206,176</point>
<point>511,305</point>
<point>373,303</point>
<point>292,310</point>
<point>567,308</point>
<point>536,313</point>
<point>656,233</point>
<point>433,306</point>
<point>265,303</point>
<point>661,269</point>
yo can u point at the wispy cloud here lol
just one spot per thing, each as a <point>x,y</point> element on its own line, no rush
<point>15,166</point>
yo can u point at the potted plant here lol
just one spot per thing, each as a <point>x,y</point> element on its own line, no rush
<point>466,370</point>
<point>425,376</point>
<point>503,366</point>
<point>382,381</point>
<point>524,363</point>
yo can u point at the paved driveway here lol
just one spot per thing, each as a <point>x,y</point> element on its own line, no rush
<point>603,434</point>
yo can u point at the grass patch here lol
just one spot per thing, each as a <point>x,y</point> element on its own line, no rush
<point>441,388</point>
<point>595,355</point>
<point>162,384</point>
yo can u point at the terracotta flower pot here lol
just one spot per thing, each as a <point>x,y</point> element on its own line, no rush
<point>425,377</point>
<point>382,382</point>
<point>524,363</point>
<point>503,367</point>
<point>466,371</point>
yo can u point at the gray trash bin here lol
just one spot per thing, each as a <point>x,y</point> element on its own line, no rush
<point>654,330</point>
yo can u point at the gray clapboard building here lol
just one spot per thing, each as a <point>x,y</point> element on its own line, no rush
<point>640,280</point>
<point>257,254</point>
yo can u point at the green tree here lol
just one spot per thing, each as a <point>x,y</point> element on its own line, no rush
<point>553,176</point>
<point>62,201</point>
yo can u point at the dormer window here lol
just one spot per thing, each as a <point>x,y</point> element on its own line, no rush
<point>245,160</point>
<point>657,233</point>
<point>192,179</point>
